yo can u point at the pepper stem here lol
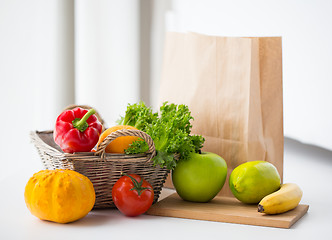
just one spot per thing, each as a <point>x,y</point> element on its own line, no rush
<point>80,123</point>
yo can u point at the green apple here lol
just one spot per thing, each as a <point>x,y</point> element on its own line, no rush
<point>201,177</point>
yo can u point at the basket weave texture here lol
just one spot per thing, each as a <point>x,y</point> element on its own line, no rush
<point>103,169</point>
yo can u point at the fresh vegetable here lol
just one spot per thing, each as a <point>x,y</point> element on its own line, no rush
<point>60,196</point>
<point>120,144</point>
<point>139,116</point>
<point>132,195</point>
<point>137,147</point>
<point>200,177</point>
<point>251,181</point>
<point>77,130</point>
<point>170,131</point>
<point>286,198</point>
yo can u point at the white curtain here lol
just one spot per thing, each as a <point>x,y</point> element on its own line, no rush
<point>107,55</point>
<point>57,52</point>
<point>36,73</point>
<point>93,48</point>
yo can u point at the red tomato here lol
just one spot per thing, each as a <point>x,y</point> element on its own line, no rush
<point>132,195</point>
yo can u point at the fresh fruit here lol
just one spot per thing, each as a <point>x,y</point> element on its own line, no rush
<point>132,195</point>
<point>119,144</point>
<point>283,200</point>
<point>60,195</point>
<point>251,181</point>
<point>200,177</point>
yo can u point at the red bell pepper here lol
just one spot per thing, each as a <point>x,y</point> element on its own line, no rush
<point>77,130</point>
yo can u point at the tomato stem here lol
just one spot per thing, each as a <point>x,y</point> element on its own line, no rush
<point>137,185</point>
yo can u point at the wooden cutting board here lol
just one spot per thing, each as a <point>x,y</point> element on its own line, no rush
<point>224,209</point>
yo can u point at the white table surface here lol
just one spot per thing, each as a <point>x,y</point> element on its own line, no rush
<point>310,167</point>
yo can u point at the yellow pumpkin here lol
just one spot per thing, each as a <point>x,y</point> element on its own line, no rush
<point>59,195</point>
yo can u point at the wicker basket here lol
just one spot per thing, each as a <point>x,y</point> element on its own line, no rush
<point>103,169</point>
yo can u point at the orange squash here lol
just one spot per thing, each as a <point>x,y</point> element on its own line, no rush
<point>59,195</point>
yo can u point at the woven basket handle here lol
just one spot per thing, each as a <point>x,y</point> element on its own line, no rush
<point>126,132</point>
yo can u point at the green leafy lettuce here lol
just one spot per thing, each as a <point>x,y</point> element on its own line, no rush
<point>170,131</point>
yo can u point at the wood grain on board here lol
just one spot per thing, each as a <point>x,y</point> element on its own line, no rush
<point>224,209</point>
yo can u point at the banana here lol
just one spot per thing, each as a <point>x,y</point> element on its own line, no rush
<point>286,198</point>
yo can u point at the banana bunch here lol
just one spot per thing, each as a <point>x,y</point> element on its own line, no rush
<point>286,198</point>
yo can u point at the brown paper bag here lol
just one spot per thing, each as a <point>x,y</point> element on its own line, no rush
<point>233,87</point>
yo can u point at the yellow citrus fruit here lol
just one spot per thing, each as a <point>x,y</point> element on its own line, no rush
<point>119,144</point>
<point>251,181</point>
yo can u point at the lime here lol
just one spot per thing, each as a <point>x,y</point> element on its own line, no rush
<point>251,181</point>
